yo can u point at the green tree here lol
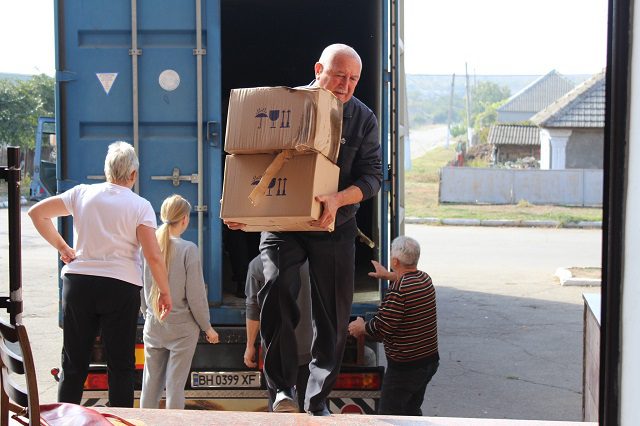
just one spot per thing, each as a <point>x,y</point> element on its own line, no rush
<point>42,87</point>
<point>486,97</point>
<point>484,94</point>
<point>16,109</point>
<point>485,119</point>
<point>21,103</point>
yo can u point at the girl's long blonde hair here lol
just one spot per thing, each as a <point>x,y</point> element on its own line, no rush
<point>173,210</point>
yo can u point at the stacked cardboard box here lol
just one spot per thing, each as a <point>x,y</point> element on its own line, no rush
<point>283,143</point>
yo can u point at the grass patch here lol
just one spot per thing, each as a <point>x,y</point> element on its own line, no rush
<point>427,168</point>
<point>586,272</point>
<point>421,198</point>
<point>429,207</point>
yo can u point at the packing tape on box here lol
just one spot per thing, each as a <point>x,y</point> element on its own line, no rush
<point>273,168</point>
<point>365,240</point>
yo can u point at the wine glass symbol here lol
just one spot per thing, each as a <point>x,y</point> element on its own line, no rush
<point>273,116</point>
<point>271,185</point>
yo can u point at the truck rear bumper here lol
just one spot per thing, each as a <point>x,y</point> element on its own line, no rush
<point>351,402</point>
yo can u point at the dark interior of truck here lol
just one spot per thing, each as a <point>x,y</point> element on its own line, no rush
<point>277,44</point>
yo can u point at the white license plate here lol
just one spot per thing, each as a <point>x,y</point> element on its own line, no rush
<point>222,379</point>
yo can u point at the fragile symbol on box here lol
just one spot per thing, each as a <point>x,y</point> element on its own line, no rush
<point>281,183</point>
<point>274,115</point>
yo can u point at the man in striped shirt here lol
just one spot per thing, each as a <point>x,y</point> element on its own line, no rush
<point>407,325</point>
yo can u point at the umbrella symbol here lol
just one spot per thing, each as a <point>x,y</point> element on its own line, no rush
<point>261,114</point>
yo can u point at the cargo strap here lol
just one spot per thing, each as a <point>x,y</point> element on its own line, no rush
<point>273,168</point>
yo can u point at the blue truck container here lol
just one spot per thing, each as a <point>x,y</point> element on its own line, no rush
<point>157,73</point>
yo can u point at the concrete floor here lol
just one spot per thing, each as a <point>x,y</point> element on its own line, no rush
<point>510,336</point>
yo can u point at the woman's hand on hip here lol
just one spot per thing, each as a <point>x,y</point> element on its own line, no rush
<point>67,254</point>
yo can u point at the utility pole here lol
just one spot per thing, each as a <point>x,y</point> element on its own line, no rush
<point>453,81</point>
<point>469,125</point>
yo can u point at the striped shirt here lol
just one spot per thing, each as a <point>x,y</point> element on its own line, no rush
<point>406,321</point>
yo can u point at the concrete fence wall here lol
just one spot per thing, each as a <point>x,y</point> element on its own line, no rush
<point>570,187</point>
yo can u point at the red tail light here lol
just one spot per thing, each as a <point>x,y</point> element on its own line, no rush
<point>55,372</point>
<point>96,381</point>
<point>365,381</point>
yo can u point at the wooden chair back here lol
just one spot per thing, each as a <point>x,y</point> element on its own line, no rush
<point>16,359</point>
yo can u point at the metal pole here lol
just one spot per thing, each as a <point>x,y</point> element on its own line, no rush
<point>384,141</point>
<point>453,82</point>
<point>403,120</point>
<point>469,125</point>
<point>15,260</point>
<point>134,52</point>
<point>199,52</point>
<point>394,125</point>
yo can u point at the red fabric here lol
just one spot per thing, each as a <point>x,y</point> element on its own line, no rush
<point>64,414</point>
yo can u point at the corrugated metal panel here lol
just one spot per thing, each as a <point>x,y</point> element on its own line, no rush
<point>507,134</point>
<point>95,77</point>
<point>539,94</point>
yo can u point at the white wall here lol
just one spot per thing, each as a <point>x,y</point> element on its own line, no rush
<point>569,187</point>
<point>545,149</point>
<point>630,409</point>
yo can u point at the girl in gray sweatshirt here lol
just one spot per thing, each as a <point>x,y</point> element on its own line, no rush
<point>169,344</point>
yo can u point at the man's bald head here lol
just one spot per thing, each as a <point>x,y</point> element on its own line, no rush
<point>332,50</point>
<point>338,70</point>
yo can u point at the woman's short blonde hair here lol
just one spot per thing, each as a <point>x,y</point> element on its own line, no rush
<point>120,162</point>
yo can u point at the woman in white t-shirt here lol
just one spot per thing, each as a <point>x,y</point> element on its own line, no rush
<point>102,275</point>
<point>169,345</point>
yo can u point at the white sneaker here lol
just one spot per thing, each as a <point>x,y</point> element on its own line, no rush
<point>284,402</point>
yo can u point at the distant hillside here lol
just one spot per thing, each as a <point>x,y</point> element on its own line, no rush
<point>428,95</point>
<point>434,86</point>
<point>8,76</point>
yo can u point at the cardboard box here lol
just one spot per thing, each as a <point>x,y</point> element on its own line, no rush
<point>289,203</point>
<point>270,119</point>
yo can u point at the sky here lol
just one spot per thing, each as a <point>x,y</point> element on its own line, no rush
<point>27,37</point>
<point>505,36</point>
<point>490,36</point>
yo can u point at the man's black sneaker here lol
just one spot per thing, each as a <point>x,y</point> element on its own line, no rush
<point>323,412</point>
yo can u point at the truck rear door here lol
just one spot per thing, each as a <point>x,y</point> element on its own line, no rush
<point>147,72</point>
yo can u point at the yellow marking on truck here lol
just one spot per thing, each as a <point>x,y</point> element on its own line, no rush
<point>139,356</point>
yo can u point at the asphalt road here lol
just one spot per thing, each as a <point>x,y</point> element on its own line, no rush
<point>40,296</point>
<point>510,335</point>
<point>425,139</point>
